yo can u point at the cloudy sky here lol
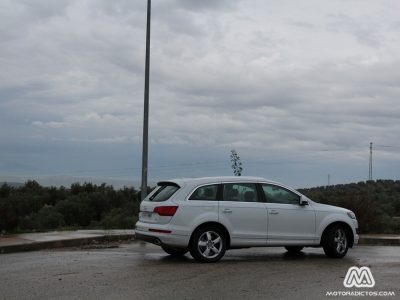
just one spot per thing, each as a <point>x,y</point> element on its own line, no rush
<point>298,88</point>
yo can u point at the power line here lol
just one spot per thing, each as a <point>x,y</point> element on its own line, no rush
<point>309,156</point>
<point>386,146</point>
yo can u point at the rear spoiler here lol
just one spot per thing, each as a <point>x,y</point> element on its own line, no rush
<point>171,183</point>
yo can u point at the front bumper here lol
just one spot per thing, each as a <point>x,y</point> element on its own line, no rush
<point>356,236</point>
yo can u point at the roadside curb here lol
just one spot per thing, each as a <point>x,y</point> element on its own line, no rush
<point>364,240</point>
<point>379,240</point>
<point>76,242</point>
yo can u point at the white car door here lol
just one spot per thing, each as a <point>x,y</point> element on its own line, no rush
<point>243,213</point>
<point>289,223</point>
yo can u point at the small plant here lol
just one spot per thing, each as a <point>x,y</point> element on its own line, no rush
<point>236,163</point>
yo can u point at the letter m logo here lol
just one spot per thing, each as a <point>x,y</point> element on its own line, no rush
<point>359,277</point>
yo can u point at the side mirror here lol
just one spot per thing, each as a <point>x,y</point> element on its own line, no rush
<point>303,201</point>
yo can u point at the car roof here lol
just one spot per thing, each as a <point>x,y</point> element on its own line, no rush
<point>204,180</point>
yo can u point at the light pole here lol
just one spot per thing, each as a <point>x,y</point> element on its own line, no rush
<point>146,107</point>
<point>370,162</point>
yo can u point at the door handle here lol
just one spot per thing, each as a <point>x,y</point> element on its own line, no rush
<point>273,212</point>
<point>227,211</point>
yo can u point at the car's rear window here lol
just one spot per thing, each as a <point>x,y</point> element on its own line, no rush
<point>164,192</point>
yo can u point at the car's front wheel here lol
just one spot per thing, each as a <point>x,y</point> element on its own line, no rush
<point>208,244</point>
<point>335,242</point>
<point>175,251</point>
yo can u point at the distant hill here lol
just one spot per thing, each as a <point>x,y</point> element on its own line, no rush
<point>66,181</point>
<point>375,203</point>
<point>12,184</point>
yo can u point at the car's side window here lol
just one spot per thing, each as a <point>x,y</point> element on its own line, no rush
<point>207,193</point>
<point>277,194</point>
<point>242,192</point>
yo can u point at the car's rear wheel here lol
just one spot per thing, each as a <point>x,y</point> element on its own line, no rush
<point>335,242</point>
<point>294,249</point>
<point>175,251</point>
<point>208,244</point>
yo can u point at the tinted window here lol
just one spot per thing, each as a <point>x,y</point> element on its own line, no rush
<point>243,192</point>
<point>276,194</point>
<point>208,192</point>
<point>163,193</point>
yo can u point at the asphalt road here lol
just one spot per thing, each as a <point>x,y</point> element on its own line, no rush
<point>143,271</point>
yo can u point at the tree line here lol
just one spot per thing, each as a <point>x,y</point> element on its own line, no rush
<point>32,207</point>
<point>375,203</point>
<point>36,208</point>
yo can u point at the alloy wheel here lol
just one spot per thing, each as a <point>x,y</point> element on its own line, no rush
<point>210,244</point>
<point>340,241</point>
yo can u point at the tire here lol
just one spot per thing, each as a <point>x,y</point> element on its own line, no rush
<point>208,244</point>
<point>175,251</point>
<point>294,249</point>
<point>336,242</point>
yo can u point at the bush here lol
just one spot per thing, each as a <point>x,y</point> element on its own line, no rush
<point>119,218</point>
<point>46,218</point>
<point>33,207</point>
<point>375,203</point>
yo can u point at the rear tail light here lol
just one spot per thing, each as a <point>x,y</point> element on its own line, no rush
<point>167,211</point>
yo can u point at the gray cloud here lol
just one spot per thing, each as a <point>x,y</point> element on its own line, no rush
<point>366,32</point>
<point>205,5</point>
<point>278,82</point>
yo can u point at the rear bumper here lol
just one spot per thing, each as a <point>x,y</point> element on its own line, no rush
<point>172,239</point>
<point>148,239</point>
<point>163,239</point>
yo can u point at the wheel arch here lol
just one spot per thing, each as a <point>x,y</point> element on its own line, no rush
<point>346,226</point>
<point>216,224</point>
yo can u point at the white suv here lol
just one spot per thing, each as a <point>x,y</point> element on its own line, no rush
<point>207,216</point>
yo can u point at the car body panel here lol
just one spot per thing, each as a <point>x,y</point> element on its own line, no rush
<point>282,218</point>
<point>244,231</point>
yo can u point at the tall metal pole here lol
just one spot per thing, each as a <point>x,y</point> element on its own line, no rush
<point>146,107</point>
<point>370,162</point>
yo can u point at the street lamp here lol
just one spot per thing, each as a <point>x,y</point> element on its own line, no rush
<point>146,107</point>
